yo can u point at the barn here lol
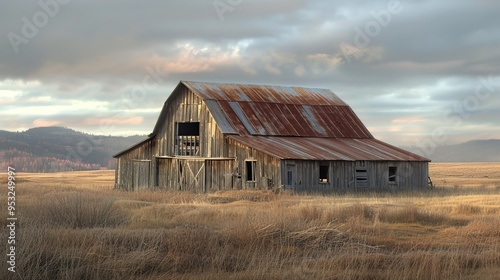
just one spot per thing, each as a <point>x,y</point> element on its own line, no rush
<point>213,136</point>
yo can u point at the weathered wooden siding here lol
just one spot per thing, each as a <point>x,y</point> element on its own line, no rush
<point>267,171</point>
<point>196,174</point>
<point>306,175</point>
<point>180,173</point>
<point>141,174</point>
<point>126,168</point>
<point>219,175</point>
<point>201,174</point>
<point>341,175</point>
<point>208,175</point>
<point>185,106</point>
<point>409,175</point>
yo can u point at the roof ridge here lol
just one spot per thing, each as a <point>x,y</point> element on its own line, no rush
<point>250,84</point>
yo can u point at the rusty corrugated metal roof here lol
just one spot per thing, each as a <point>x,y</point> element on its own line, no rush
<point>309,148</point>
<point>291,122</point>
<point>279,111</point>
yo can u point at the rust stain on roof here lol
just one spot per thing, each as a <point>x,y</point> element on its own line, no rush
<point>280,111</point>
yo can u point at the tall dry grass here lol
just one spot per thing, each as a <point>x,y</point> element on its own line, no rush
<point>86,232</point>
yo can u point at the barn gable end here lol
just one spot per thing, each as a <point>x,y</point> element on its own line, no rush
<point>212,137</point>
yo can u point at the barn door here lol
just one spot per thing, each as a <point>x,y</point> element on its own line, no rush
<point>192,175</point>
<point>141,174</point>
<point>163,173</point>
<point>361,174</point>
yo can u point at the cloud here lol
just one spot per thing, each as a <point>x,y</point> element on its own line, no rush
<point>88,61</point>
<point>42,122</point>
<point>408,120</point>
<point>118,119</point>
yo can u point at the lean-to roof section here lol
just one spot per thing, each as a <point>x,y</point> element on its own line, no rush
<point>308,148</point>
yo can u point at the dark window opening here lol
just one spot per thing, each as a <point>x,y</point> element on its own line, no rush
<point>250,168</point>
<point>187,139</point>
<point>392,173</point>
<point>323,173</point>
<point>157,173</point>
<point>289,178</point>
<point>289,175</point>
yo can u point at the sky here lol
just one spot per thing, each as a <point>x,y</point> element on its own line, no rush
<point>422,73</point>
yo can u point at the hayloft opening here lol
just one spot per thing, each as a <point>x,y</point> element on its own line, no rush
<point>188,129</point>
<point>187,138</point>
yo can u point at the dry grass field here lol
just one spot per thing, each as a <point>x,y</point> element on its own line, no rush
<point>473,174</point>
<point>75,226</point>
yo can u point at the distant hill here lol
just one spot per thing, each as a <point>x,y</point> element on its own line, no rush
<point>54,149</point>
<point>471,151</point>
